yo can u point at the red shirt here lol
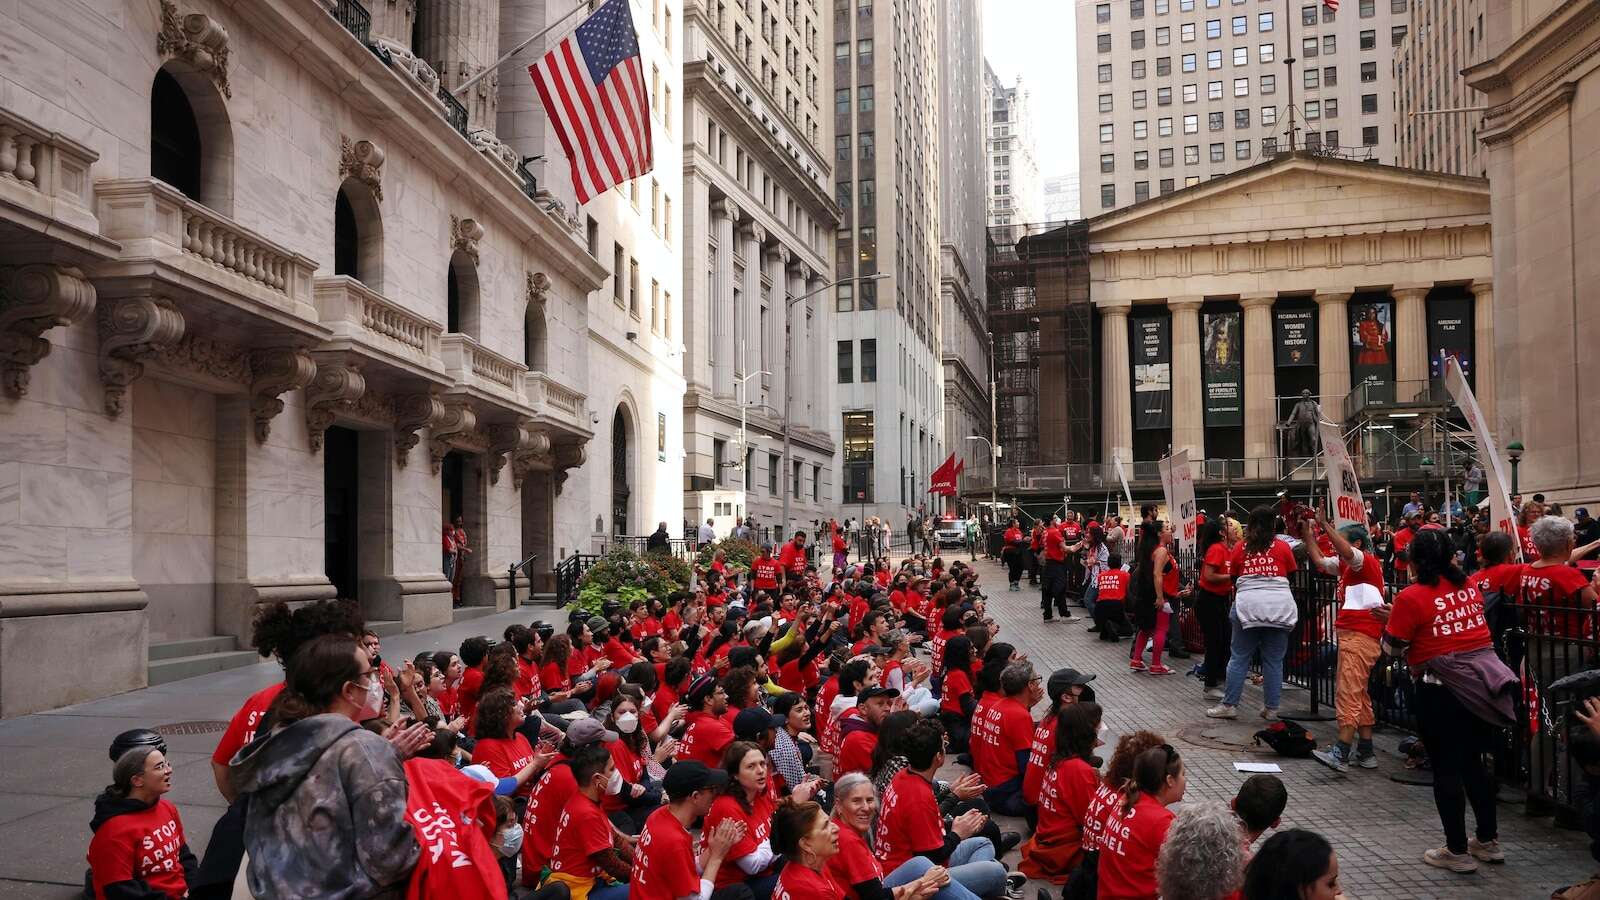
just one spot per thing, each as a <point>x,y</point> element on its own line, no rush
<point>1277,561</point>
<point>957,684</point>
<point>527,683</point>
<point>242,727</point>
<point>1064,798</point>
<point>1039,756</point>
<point>838,542</point>
<point>801,882</point>
<point>764,573</point>
<point>1055,547</point>
<point>583,832</point>
<point>505,757</point>
<point>1438,620</point>
<point>705,737</point>
<point>1101,805</point>
<point>621,657</point>
<point>1128,849</point>
<point>854,863</point>
<point>549,797</point>
<point>554,677</point>
<point>1013,536</point>
<point>1402,539</point>
<point>855,754</point>
<point>1370,573</point>
<point>827,723</point>
<point>1219,555</point>
<point>936,645</point>
<point>1505,578</point>
<point>1560,587</point>
<point>453,818</point>
<point>468,691</point>
<point>140,845</point>
<point>663,860</point>
<point>1001,727</point>
<point>908,822</point>
<point>792,558</point>
<point>1530,552</point>
<point>757,828</point>
<point>1111,585</point>
<point>671,623</point>
<point>661,703</point>
<point>792,677</point>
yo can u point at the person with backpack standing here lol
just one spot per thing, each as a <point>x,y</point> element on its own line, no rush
<point>1360,592</point>
<point>1264,613</point>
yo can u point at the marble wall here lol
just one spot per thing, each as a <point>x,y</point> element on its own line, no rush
<point>174,495</point>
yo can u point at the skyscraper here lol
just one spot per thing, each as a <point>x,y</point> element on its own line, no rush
<point>1015,194</point>
<point>1445,40</point>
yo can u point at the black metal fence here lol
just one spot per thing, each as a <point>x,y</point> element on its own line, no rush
<point>354,17</point>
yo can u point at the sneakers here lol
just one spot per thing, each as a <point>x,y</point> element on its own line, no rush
<point>1015,882</point>
<point>1215,693</point>
<point>1223,711</point>
<point>1136,665</point>
<point>1455,862</point>
<point>1332,758</point>
<point>1161,670</point>
<point>1270,714</point>
<point>1366,760</point>
<point>1485,851</point>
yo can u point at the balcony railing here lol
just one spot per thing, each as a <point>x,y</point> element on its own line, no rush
<point>471,364</point>
<point>555,400</point>
<point>49,163</point>
<point>454,112</point>
<point>354,17</point>
<point>355,312</point>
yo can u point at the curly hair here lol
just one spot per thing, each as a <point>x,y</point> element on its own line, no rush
<point>494,714</point>
<point>557,650</point>
<point>500,668</point>
<point>1201,858</point>
<point>1128,749</point>
<point>737,684</point>
<point>278,631</point>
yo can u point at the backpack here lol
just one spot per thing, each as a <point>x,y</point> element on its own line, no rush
<point>1288,737</point>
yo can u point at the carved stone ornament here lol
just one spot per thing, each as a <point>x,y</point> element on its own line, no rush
<point>568,456</point>
<point>538,288</point>
<point>335,389</point>
<point>413,412</point>
<point>363,161</point>
<point>274,372</point>
<point>456,421</point>
<point>534,453</point>
<point>495,149</point>
<point>33,300</point>
<point>504,439</point>
<point>207,356</point>
<point>413,68</point>
<point>465,235</point>
<point>197,39</point>
<point>132,330</point>
<point>726,207</point>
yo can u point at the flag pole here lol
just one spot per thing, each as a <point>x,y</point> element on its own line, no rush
<point>495,66</point>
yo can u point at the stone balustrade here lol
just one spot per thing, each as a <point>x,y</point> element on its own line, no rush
<point>52,164</point>
<point>357,313</point>
<point>222,243</point>
<point>474,366</point>
<point>556,401</point>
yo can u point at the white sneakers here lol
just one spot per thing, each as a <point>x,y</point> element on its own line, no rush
<point>1442,858</point>
<point>1223,711</point>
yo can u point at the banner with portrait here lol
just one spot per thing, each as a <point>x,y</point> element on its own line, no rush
<point>1295,334</point>
<point>1372,349</point>
<point>1151,358</point>
<point>1450,336</point>
<point>1223,347</point>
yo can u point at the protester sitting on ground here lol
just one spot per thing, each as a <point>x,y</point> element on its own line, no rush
<point>1264,613</point>
<point>633,795</point>
<point>748,800</point>
<point>1137,826</point>
<point>707,733</point>
<point>665,864</point>
<point>1293,865</point>
<point>586,857</point>
<point>501,748</point>
<point>317,774</point>
<point>913,686</point>
<point>1002,737</point>
<point>809,841</point>
<point>958,702</point>
<point>861,732</point>
<point>855,806</point>
<point>961,796</point>
<point>1064,688</point>
<point>1111,596</point>
<point>1259,805</point>
<point>1201,858</point>
<point>1358,629</point>
<point>1065,792</point>
<point>474,651</point>
<point>139,849</point>
<point>910,823</point>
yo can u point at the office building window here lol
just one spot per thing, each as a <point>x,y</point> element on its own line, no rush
<point>1213,59</point>
<point>1265,52</point>
<point>1108,196</point>
<point>868,290</point>
<point>1163,65</point>
<point>1369,40</point>
<point>1214,120</point>
<point>1241,87</point>
<point>1269,115</point>
<point>1397,35</point>
<point>1103,73</point>
<point>1136,39</point>
<point>1330,76</point>
<point>847,366</point>
<point>1213,29</point>
<point>1186,32</point>
<point>858,457</point>
<point>1330,44</point>
<point>1241,56</point>
<point>1264,22</point>
<point>1240,24</point>
<point>1213,90</point>
<point>869,361</point>
<point>1141,129</point>
<point>1164,126</point>
<point>1107,133</point>
<point>1163,36</point>
<point>1369,136</point>
<point>1308,47</point>
<point>1311,78</point>
<point>1398,6</point>
<point>1138,68</point>
<point>1241,118</point>
<point>1331,138</point>
<point>1185,5</point>
<point>844,297</point>
<point>1188,62</point>
<point>1191,124</point>
<point>1269,84</point>
<point>1369,72</point>
<point>1166,185</point>
<point>1163,7</point>
<point>1369,103</point>
<point>616,275</point>
<point>1369,8</point>
<point>1141,191</point>
<point>1135,9</point>
<point>864,98</point>
<point>1308,15</point>
<point>1108,162</point>
<point>1327,15</point>
<point>1103,43</point>
<point>1218,153</point>
<point>1269,146</point>
<point>1105,107</point>
<point>1191,93</point>
<point>1191,155</point>
<point>1164,157</point>
<point>1140,99</point>
<point>1163,96</point>
<point>1241,149</point>
<point>1313,110</point>
<point>1141,159</point>
<point>1102,13</point>
<point>1330,108</point>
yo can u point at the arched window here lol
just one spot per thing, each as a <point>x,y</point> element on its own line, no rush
<point>358,234</point>
<point>461,295</point>
<point>620,464</point>
<point>191,141</point>
<point>534,340</point>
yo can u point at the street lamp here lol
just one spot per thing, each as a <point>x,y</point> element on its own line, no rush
<point>1514,453</point>
<point>1386,510</point>
<point>788,375</point>
<point>994,472</point>
<point>1426,465</point>
<point>744,403</point>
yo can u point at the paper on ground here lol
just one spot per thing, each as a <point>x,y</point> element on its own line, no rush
<point>1265,768</point>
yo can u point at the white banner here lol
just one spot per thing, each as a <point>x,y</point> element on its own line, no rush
<point>1488,453</point>
<point>1123,477</point>
<point>1177,483</point>
<point>1344,493</point>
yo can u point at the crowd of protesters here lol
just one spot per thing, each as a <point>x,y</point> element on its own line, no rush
<point>771,734</point>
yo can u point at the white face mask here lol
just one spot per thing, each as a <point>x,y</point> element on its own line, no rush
<point>511,841</point>
<point>374,702</point>
<point>627,723</point>
<point>614,786</point>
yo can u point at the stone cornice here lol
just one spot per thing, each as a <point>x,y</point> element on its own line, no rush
<point>306,33</point>
<point>1306,236</point>
<point>1558,28</point>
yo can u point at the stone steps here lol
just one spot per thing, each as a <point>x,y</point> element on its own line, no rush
<point>216,643</point>
<point>177,668</point>
<point>464,613</point>
<point>386,627</point>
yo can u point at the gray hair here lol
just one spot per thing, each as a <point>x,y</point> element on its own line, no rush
<point>1015,678</point>
<point>1551,535</point>
<point>1202,857</point>
<point>849,782</point>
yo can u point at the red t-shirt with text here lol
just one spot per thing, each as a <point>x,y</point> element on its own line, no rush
<point>1437,620</point>
<point>663,860</point>
<point>1129,846</point>
<point>1001,727</point>
<point>908,821</point>
<point>583,832</point>
<point>242,727</point>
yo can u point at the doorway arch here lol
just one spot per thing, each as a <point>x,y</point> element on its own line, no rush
<point>191,139</point>
<point>358,234</point>
<point>461,293</point>
<point>622,470</point>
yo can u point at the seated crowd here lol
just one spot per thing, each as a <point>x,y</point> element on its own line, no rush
<point>764,735</point>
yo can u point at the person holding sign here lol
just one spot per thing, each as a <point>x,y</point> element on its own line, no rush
<point>1359,630</point>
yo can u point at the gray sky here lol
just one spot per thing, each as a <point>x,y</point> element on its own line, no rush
<point>1034,39</point>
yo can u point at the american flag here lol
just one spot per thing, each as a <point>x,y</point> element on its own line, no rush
<point>592,85</point>
<point>1331,4</point>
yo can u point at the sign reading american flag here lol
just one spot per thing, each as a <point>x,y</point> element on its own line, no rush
<point>592,85</point>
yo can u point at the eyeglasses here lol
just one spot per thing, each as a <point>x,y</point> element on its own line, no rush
<point>162,766</point>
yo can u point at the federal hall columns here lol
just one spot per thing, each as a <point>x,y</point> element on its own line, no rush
<point>1188,406</point>
<point>1410,339</point>
<point>1260,407</point>
<point>1333,351</point>
<point>1117,404</point>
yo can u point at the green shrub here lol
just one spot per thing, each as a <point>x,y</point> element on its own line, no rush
<point>630,577</point>
<point>737,553</point>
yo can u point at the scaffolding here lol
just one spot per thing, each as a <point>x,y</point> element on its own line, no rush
<point>1043,330</point>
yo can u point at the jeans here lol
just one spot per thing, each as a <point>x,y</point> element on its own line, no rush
<point>1007,800</point>
<point>973,866</point>
<point>1212,611</point>
<point>1090,591</point>
<point>1273,643</point>
<point>1457,741</point>
<point>915,868</point>
<point>617,891</point>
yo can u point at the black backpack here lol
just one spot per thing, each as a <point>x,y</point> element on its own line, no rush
<point>1288,737</point>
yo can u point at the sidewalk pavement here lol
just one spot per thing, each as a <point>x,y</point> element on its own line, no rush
<point>56,762</point>
<point>1379,827</point>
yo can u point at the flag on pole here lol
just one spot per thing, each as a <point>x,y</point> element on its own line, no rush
<point>1331,4</point>
<point>943,480</point>
<point>592,85</point>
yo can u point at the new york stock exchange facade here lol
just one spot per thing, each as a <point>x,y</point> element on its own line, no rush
<point>268,317</point>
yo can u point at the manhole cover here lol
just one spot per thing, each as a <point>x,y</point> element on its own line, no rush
<point>1225,736</point>
<point>192,728</point>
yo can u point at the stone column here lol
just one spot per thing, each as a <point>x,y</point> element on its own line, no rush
<point>724,213</point>
<point>391,21</point>
<point>817,360</point>
<point>1483,386</point>
<point>1117,405</point>
<point>799,274</point>
<point>1333,351</point>
<point>1260,389</point>
<point>1188,392</point>
<point>1410,339</point>
<point>778,259</point>
<point>753,236</point>
<point>459,39</point>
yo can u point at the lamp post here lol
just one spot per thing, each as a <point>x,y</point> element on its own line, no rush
<point>1514,453</point>
<point>1386,508</point>
<point>994,470</point>
<point>1426,465</point>
<point>788,376</point>
<point>744,403</point>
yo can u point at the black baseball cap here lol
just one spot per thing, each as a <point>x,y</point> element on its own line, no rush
<point>1062,680</point>
<point>749,723</point>
<point>868,693</point>
<point>687,776</point>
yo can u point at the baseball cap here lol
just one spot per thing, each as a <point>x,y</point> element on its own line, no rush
<point>1062,680</point>
<point>749,723</point>
<point>587,731</point>
<point>690,775</point>
<point>480,773</point>
<point>597,624</point>
<point>1582,512</point>
<point>866,694</point>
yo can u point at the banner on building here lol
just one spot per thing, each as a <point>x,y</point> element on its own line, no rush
<point>1152,372</point>
<point>1372,348</point>
<point>1488,453</point>
<point>1224,369</point>
<point>1295,333</point>
<point>1177,484</point>
<point>1344,491</point>
<point>1449,336</point>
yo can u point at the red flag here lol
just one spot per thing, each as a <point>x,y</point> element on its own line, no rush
<point>1331,4</point>
<point>943,480</point>
<point>961,466</point>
